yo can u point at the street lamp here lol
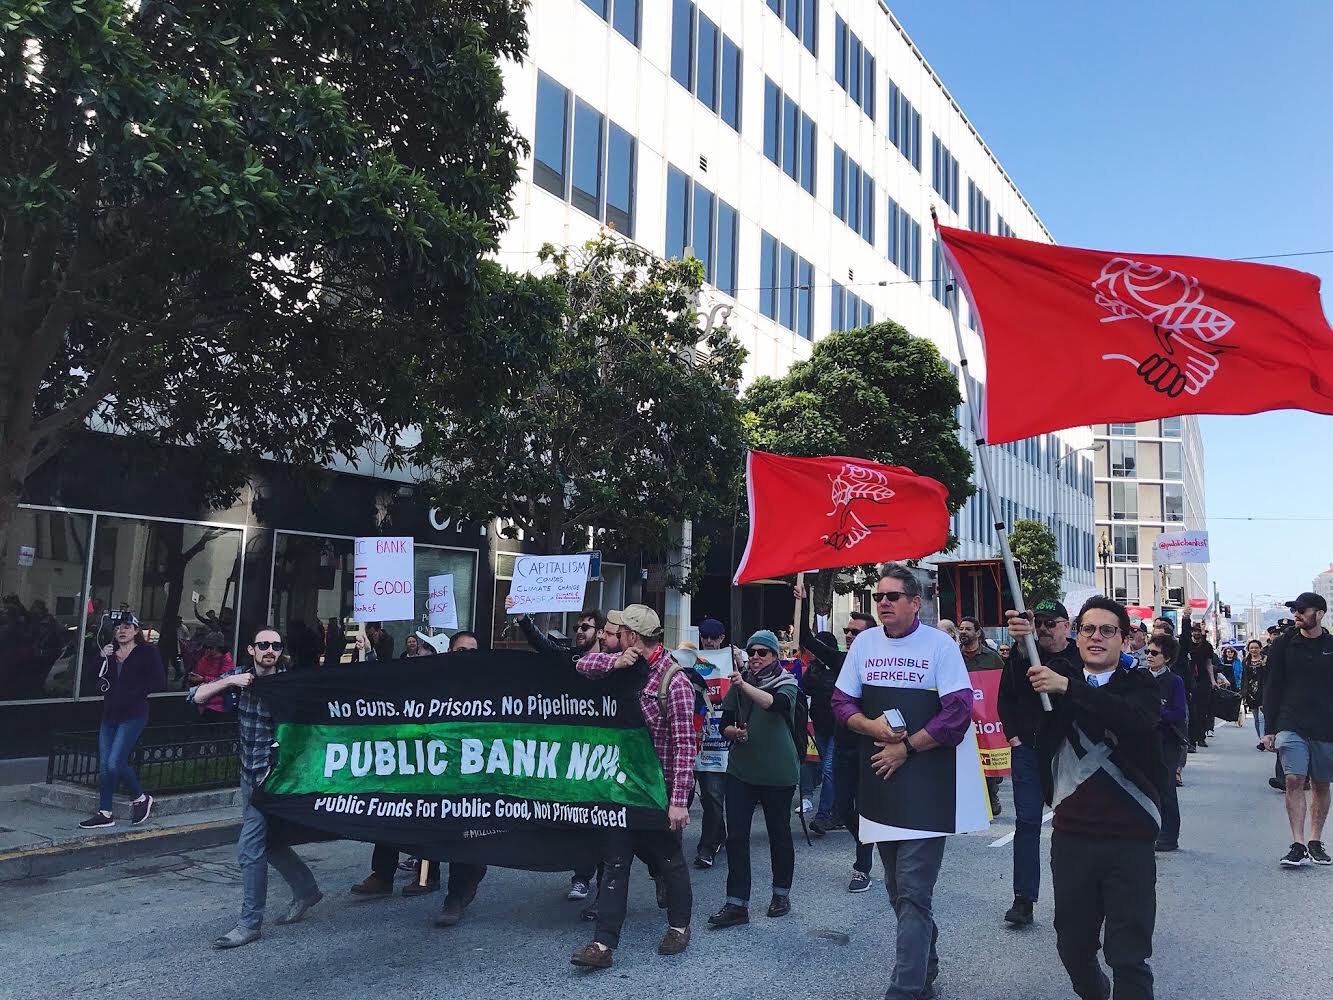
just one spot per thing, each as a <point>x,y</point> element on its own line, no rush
<point>1078,451</point>
<point>1104,553</point>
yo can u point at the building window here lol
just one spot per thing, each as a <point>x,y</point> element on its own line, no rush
<point>978,209</point>
<point>849,310</point>
<point>1125,543</point>
<point>783,277</point>
<point>1172,427</point>
<point>592,165</point>
<point>1122,430</point>
<point>800,17</point>
<point>1002,228</point>
<point>623,15</point>
<point>1125,583</point>
<point>904,126</point>
<point>1173,503</point>
<point>904,236</point>
<point>939,274</point>
<point>853,195</point>
<point>789,136</point>
<point>944,173</point>
<point>1124,459</point>
<point>854,67</point>
<point>1173,461</point>
<point>1125,501</point>
<point>706,62</point>
<point>706,225</point>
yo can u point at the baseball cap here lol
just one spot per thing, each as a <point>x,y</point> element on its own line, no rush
<point>1050,608</point>
<point>615,618</point>
<point>643,620</point>
<point>711,628</point>
<point>1308,600</point>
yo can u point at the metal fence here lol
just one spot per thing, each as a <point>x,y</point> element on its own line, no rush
<point>166,758</point>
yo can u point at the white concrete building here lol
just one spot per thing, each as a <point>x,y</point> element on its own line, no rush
<point>1323,585</point>
<point>796,148</point>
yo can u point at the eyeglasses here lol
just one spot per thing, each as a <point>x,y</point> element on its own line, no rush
<point>1153,652</point>
<point>1105,631</point>
<point>275,646</point>
<point>892,596</point>
<point>1049,622</point>
<point>1301,611</point>
<point>586,628</point>
<point>759,651</point>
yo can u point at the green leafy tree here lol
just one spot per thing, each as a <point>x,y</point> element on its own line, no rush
<point>249,225</point>
<point>1034,546</point>
<point>632,423</point>
<point>877,393</point>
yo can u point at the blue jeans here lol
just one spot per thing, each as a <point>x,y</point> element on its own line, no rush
<point>115,740</point>
<point>254,854</point>
<point>1259,722</point>
<point>823,770</point>
<point>1029,801</point>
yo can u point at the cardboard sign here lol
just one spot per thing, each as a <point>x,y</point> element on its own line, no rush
<point>549,583</point>
<point>992,744</point>
<point>383,572</point>
<point>1179,547</point>
<point>715,667</point>
<point>440,605</point>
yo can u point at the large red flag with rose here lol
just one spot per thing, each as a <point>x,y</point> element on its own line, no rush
<point>830,512</point>
<point>1088,336</point>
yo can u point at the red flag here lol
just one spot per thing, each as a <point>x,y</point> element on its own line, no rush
<point>1087,336</point>
<point>815,513</point>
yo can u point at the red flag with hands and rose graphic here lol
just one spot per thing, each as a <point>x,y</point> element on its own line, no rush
<point>831,511</point>
<point>1088,336</point>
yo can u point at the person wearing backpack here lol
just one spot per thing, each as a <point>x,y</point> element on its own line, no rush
<point>758,716</point>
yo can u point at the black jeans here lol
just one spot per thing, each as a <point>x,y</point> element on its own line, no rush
<point>1111,881</point>
<point>1172,752</point>
<point>846,777</point>
<point>463,877</point>
<point>665,849</point>
<point>712,796</point>
<point>776,801</point>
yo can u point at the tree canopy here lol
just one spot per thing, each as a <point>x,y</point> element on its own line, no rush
<point>1034,546</point>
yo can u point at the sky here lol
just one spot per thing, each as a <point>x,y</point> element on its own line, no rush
<point>1201,128</point>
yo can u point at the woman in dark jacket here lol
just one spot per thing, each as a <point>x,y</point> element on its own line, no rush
<point>131,670</point>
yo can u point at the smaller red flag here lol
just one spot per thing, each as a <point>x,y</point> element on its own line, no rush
<point>830,512</point>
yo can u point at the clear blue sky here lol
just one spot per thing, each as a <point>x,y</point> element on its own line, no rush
<point>1177,126</point>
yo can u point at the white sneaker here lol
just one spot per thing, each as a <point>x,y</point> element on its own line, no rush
<point>805,806</point>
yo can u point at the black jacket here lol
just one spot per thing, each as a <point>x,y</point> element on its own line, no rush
<point>821,691</point>
<point>1298,692</point>
<point>1020,707</point>
<point>543,643</point>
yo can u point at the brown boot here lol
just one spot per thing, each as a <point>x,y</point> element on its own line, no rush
<point>674,942</point>
<point>417,889</point>
<point>373,886</point>
<point>592,956</point>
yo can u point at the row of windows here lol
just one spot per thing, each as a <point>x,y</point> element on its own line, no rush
<point>801,18</point>
<point>1169,427</point>
<point>904,126</point>
<point>849,311</point>
<point>854,68</point>
<point>786,282</point>
<point>623,15</point>
<point>1002,228</point>
<point>789,136</point>
<point>704,225</point>
<point>1165,502</point>
<point>1124,459</point>
<point>591,164</point>
<point>978,209</point>
<point>904,241</point>
<point>706,62</point>
<point>944,173</point>
<point>853,195</point>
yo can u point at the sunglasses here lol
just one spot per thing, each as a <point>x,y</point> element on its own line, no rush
<point>1105,631</point>
<point>1153,652</point>
<point>892,596</point>
<point>586,628</point>
<point>275,646</point>
<point>1049,622</point>
<point>759,651</point>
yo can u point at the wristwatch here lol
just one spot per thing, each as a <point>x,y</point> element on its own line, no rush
<point>910,749</point>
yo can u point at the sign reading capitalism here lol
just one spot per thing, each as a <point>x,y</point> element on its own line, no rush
<point>506,758</point>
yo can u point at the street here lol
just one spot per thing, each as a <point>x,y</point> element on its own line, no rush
<point>1230,923</point>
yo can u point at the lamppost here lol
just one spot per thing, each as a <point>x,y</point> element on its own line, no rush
<point>1104,553</point>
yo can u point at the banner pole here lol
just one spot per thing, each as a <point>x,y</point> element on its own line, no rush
<point>983,466</point>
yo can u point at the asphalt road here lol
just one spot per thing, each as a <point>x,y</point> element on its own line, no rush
<point>1231,923</point>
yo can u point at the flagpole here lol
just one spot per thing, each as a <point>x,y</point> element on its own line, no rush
<point>983,465</point>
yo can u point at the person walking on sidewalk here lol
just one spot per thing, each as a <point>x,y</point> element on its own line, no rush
<point>1298,718</point>
<point>712,784</point>
<point>1159,654</point>
<point>979,656</point>
<point>762,770</point>
<point>1253,671</point>
<point>254,852</point>
<point>131,671</point>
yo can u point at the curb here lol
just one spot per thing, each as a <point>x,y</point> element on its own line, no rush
<point>93,852</point>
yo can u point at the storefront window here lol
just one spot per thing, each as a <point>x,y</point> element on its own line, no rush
<point>42,578</point>
<point>182,580</point>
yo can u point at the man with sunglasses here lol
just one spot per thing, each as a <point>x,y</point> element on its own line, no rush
<point>1021,716</point>
<point>1298,716</point>
<point>1101,764</point>
<point>255,853</point>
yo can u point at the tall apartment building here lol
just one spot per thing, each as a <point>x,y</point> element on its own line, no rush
<point>795,147</point>
<point>1149,481</point>
<point>1323,585</point>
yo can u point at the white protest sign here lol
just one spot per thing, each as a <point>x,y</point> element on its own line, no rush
<point>549,583</point>
<point>1181,547</point>
<point>27,553</point>
<point>1076,597</point>
<point>441,607</point>
<point>715,667</point>
<point>383,574</point>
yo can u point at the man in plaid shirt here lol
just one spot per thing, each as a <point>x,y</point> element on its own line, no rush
<point>677,745</point>
<point>254,853</point>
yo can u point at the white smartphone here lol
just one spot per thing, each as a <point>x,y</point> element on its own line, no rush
<point>895,720</point>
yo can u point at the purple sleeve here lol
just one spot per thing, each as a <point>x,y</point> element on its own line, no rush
<point>1175,709</point>
<point>844,706</point>
<point>950,723</point>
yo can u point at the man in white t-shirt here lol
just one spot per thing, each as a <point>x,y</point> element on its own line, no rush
<point>904,653</point>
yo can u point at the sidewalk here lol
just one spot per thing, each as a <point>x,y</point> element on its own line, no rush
<point>40,835</point>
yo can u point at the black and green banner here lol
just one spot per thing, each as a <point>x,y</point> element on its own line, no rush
<point>507,758</point>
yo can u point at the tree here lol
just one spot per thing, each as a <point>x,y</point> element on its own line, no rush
<point>632,423</point>
<point>249,226</point>
<point>1033,545</point>
<point>877,393</point>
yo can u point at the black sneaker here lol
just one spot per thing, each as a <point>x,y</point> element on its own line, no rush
<point>1281,786</point>
<point>730,915</point>
<point>141,810</point>
<point>96,821</point>
<point>1297,857</point>
<point>860,882</point>
<point>1020,914</point>
<point>703,861</point>
<point>1317,853</point>
<point>818,826</point>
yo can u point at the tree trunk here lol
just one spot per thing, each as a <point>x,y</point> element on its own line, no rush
<point>823,591</point>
